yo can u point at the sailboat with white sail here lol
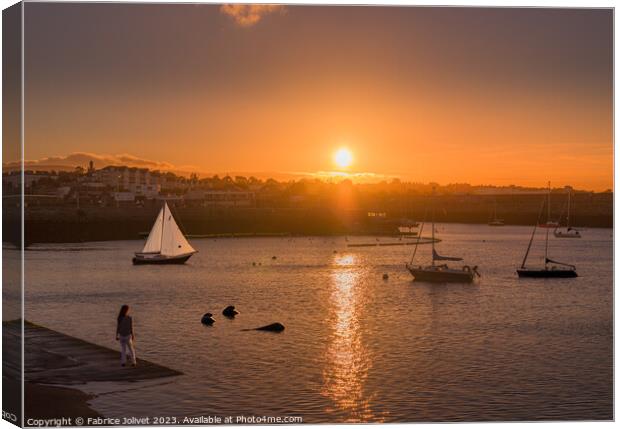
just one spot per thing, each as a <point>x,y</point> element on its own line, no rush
<point>568,232</point>
<point>439,273</point>
<point>551,268</point>
<point>165,244</point>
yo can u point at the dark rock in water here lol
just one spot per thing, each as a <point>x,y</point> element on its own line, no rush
<point>274,257</point>
<point>385,276</point>
<point>274,327</point>
<point>230,312</point>
<point>207,319</point>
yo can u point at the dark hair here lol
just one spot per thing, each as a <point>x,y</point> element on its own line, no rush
<point>122,313</point>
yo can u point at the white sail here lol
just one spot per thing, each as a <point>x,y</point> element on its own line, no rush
<point>173,242</point>
<point>153,242</point>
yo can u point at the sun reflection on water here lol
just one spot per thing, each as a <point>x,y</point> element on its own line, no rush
<point>347,360</point>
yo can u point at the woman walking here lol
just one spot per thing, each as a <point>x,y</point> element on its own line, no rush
<point>124,334</point>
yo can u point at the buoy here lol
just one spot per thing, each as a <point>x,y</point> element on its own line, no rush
<point>207,319</point>
<point>274,257</point>
<point>385,276</point>
<point>230,312</point>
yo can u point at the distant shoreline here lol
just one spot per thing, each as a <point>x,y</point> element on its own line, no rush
<point>142,237</point>
<point>68,224</point>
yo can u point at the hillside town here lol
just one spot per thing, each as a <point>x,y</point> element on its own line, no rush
<point>124,186</point>
<point>120,202</point>
<point>127,186</point>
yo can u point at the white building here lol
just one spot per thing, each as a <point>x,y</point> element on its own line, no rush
<point>147,191</point>
<point>14,179</point>
<point>124,177</point>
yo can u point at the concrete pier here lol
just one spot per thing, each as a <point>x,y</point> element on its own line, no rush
<point>52,359</point>
<point>56,358</point>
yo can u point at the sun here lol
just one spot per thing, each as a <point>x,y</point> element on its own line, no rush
<point>343,158</point>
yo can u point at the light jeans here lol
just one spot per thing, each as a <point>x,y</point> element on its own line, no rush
<point>127,344</point>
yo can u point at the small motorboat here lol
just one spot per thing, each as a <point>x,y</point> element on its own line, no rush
<point>567,233</point>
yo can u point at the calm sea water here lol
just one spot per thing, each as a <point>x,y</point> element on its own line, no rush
<point>356,347</point>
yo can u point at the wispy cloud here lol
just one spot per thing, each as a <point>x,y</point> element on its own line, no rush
<point>75,159</point>
<point>82,159</point>
<point>247,15</point>
<point>358,177</point>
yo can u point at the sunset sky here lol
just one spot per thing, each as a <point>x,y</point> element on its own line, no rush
<point>484,96</point>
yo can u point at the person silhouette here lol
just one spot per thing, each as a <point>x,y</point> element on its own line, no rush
<point>125,335</point>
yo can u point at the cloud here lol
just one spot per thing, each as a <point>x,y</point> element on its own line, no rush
<point>357,177</point>
<point>82,159</point>
<point>99,160</point>
<point>247,15</point>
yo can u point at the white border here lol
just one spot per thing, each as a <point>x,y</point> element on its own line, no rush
<point>475,3</point>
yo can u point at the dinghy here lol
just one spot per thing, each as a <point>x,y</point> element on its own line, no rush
<point>166,243</point>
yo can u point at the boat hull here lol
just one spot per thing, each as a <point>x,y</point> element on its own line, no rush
<point>566,235</point>
<point>547,273</point>
<point>160,259</point>
<point>424,274</point>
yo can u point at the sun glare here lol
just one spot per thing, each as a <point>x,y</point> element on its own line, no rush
<point>343,158</point>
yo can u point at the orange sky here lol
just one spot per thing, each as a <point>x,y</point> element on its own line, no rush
<point>484,96</point>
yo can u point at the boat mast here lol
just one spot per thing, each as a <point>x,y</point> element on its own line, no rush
<point>433,230</point>
<point>568,213</point>
<point>417,243</point>
<point>548,220</point>
<point>529,246</point>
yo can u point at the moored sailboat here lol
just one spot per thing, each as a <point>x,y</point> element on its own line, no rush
<point>568,232</point>
<point>165,244</point>
<point>551,268</point>
<point>496,221</point>
<point>439,273</point>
